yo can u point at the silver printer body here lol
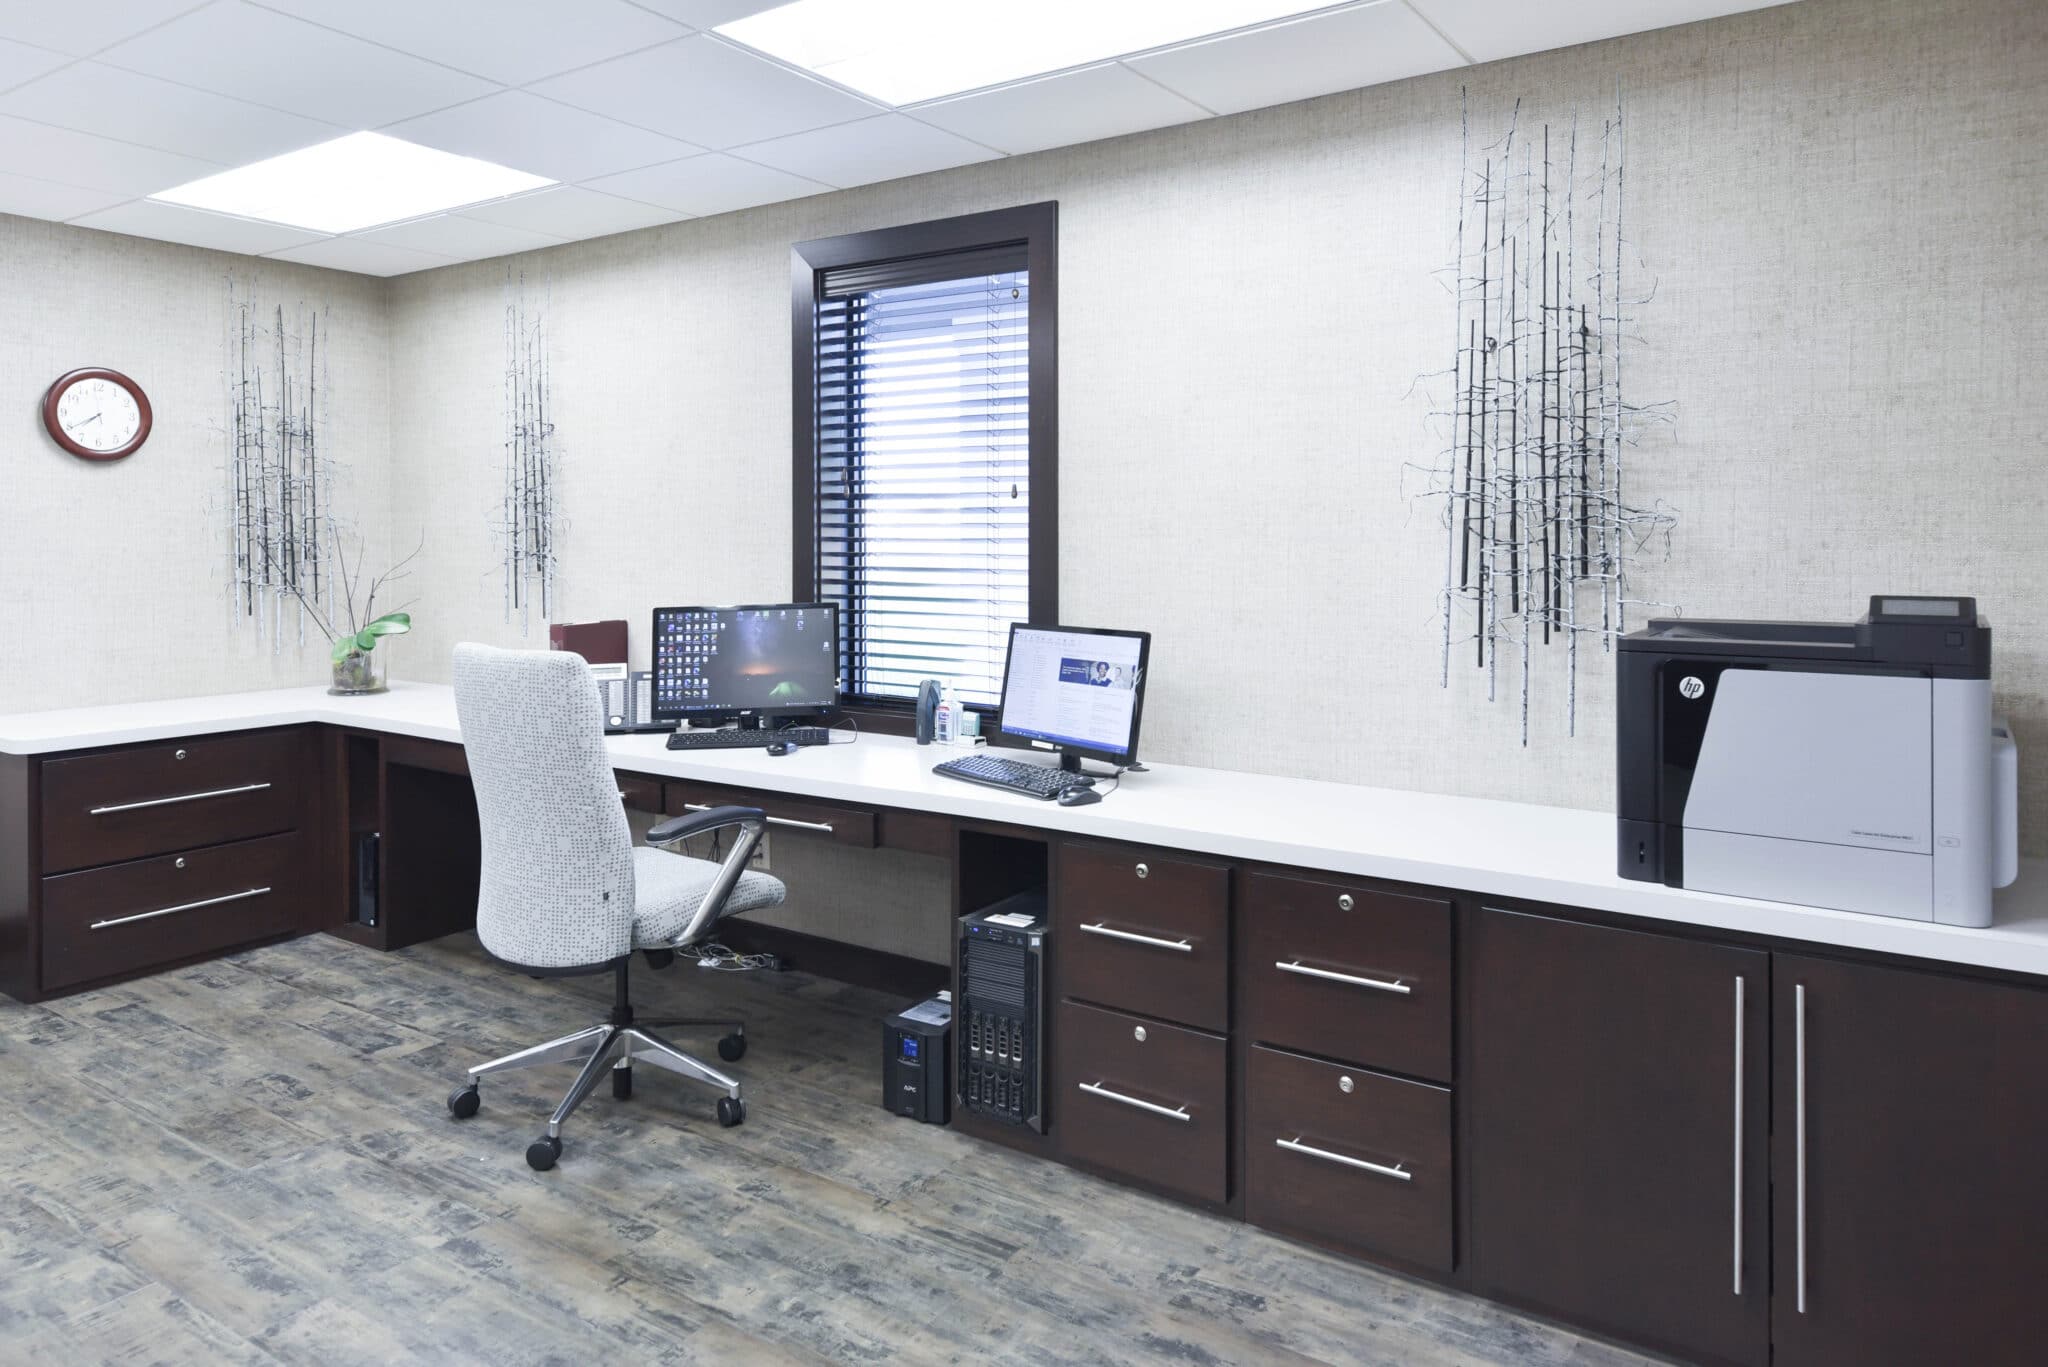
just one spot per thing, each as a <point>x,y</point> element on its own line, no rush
<point>1853,766</point>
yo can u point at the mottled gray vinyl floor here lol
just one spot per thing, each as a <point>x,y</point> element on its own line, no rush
<point>250,1162</point>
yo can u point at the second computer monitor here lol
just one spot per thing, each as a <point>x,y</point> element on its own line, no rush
<point>1078,689</point>
<point>762,658</point>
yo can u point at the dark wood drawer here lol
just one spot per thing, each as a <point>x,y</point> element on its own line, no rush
<point>1347,1156</point>
<point>1144,932</point>
<point>846,825</point>
<point>1143,1099</point>
<point>152,799</point>
<point>110,921</point>
<point>1348,971</point>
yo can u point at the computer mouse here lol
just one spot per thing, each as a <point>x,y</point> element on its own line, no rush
<point>782,747</point>
<point>1078,797</point>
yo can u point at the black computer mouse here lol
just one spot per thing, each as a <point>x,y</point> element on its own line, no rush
<point>1078,797</point>
<point>782,747</point>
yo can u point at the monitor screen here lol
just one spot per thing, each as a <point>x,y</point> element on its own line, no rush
<point>775,657</point>
<point>1077,688</point>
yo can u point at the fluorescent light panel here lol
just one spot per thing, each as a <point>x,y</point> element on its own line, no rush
<point>904,51</point>
<point>353,182</point>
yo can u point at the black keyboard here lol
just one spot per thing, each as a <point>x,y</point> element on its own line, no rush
<point>1032,780</point>
<point>731,738</point>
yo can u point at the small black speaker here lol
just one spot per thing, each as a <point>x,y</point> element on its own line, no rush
<point>927,710</point>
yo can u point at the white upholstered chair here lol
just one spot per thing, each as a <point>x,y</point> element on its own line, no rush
<point>564,889</point>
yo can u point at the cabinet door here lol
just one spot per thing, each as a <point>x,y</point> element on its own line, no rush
<point>1614,1085</point>
<point>1911,1213</point>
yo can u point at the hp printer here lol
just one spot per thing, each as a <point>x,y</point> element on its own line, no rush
<point>1855,766</point>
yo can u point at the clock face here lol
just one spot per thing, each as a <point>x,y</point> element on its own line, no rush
<point>97,414</point>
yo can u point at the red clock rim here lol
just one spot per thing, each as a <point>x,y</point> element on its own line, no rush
<point>72,377</point>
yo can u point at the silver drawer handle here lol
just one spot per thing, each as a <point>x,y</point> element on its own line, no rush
<point>1378,986</point>
<point>824,826</point>
<point>182,906</point>
<point>1097,1089</point>
<point>182,797</point>
<point>1295,1145</point>
<point>1099,929</point>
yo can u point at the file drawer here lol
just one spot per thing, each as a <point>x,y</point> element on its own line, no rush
<point>1143,1099</point>
<point>1347,1156</point>
<point>104,922</point>
<point>844,825</point>
<point>1349,971</point>
<point>1144,933</point>
<point>152,799</point>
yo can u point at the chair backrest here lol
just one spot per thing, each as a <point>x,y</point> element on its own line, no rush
<point>557,888</point>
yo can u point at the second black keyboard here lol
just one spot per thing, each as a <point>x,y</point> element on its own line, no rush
<point>1032,780</point>
<point>735,739</point>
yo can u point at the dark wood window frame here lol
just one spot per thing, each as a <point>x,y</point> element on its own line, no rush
<point>1036,226</point>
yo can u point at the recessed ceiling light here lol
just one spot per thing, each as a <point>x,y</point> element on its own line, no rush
<point>903,51</point>
<point>358,181</point>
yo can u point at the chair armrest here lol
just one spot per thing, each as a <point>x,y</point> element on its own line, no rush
<point>696,823</point>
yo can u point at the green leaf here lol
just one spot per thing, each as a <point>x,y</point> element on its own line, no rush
<point>390,624</point>
<point>344,646</point>
<point>366,640</point>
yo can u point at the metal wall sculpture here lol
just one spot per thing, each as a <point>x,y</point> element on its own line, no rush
<point>1539,535</point>
<point>526,517</point>
<point>281,524</point>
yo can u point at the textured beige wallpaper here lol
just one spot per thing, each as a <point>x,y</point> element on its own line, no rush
<point>113,582</point>
<point>1841,203</point>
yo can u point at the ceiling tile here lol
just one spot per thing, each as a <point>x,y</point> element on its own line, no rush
<point>196,228</point>
<point>232,48</point>
<point>101,99</point>
<point>874,149</point>
<point>514,41</point>
<point>545,137</point>
<point>1492,29</point>
<point>1342,50</point>
<point>60,154</point>
<point>20,62</point>
<point>1078,106</point>
<point>32,198</point>
<point>364,258</point>
<point>458,239</point>
<point>706,91</point>
<point>84,26</point>
<point>710,184</point>
<point>708,13</point>
<point>572,212</point>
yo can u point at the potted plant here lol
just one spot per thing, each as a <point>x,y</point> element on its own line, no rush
<point>358,666</point>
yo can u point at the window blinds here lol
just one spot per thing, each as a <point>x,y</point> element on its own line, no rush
<point>922,449</point>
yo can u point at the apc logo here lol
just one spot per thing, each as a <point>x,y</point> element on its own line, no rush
<point>1690,687</point>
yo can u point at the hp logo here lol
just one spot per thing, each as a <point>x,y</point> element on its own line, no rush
<point>1690,687</point>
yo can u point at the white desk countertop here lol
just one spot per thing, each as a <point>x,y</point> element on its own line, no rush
<point>1505,849</point>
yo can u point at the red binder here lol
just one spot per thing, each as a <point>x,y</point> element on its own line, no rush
<point>601,643</point>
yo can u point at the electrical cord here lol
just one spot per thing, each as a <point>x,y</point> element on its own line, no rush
<point>850,739</point>
<point>721,959</point>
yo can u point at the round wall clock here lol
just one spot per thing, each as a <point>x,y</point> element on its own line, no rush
<point>96,413</point>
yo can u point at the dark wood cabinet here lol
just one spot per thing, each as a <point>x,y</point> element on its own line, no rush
<point>1145,1100</point>
<point>1911,1205</point>
<point>1143,931</point>
<point>1614,1086</point>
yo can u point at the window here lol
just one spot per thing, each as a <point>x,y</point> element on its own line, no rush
<point>925,463</point>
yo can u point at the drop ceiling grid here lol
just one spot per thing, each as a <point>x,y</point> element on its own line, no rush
<point>204,77</point>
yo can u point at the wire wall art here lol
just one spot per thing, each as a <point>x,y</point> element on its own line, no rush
<point>525,520</point>
<point>1539,532</point>
<point>282,532</point>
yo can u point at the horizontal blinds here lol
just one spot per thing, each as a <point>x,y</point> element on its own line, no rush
<point>923,489</point>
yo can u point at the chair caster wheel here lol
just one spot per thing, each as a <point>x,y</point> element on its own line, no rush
<point>542,1153</point>
<point>731,1111</point>
<point>463,1102</point>
<point>733,1047</point>
<point>622,1084</point>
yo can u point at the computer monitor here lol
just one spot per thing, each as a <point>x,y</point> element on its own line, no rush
<point>764,658</point>
<point>1079,690</point>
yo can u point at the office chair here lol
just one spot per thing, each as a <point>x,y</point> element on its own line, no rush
<point>564,889</point>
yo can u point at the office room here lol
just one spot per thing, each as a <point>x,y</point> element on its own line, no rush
<point>1227,682</point>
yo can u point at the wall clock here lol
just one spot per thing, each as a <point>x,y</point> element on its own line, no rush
<point>97,413</point>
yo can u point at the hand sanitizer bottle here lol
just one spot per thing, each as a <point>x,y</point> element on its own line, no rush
<point>943,719</point>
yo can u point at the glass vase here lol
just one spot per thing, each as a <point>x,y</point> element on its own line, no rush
<point>359,671</point>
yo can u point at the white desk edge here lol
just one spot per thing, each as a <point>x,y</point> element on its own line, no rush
<point>1490,848</point>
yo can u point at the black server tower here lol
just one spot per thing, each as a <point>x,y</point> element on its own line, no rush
<point>998,1024</point>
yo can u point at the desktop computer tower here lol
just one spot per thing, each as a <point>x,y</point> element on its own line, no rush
<point>1000,1012</point>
